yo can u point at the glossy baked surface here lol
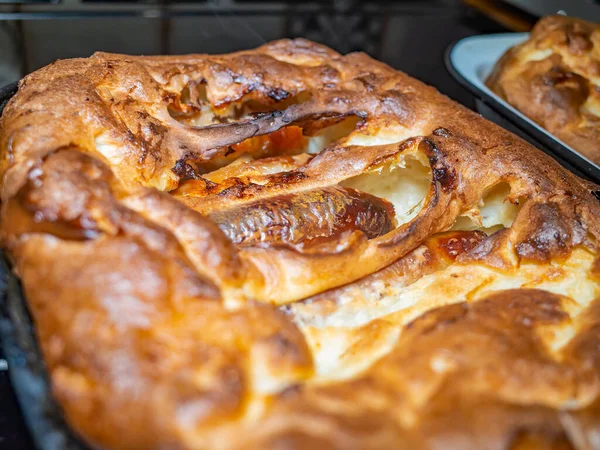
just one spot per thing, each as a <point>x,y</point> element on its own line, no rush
<point>290,248</point>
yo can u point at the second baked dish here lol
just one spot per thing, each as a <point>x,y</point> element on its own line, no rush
<point>554,79</point>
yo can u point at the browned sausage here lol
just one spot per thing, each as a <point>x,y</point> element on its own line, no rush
<point>306,218</point>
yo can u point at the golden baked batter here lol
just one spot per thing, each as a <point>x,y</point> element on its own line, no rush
<point>290,248</point>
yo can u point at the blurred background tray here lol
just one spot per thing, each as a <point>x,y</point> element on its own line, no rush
<point>470,60</point>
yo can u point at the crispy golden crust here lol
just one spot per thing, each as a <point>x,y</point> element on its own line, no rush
<point>554,78</point>
<point>287,247</point>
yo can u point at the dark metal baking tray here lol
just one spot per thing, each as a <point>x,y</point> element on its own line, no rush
<point>26,367</point>
<point>470,60</point>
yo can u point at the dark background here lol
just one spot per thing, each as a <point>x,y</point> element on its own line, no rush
<point>408,35</point>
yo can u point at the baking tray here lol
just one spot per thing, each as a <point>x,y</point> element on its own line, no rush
<point>26,368</point>
<point>470,60</point>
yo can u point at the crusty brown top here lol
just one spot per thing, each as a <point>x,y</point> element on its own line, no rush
<point>290,248</point>
<point>554,78</point>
